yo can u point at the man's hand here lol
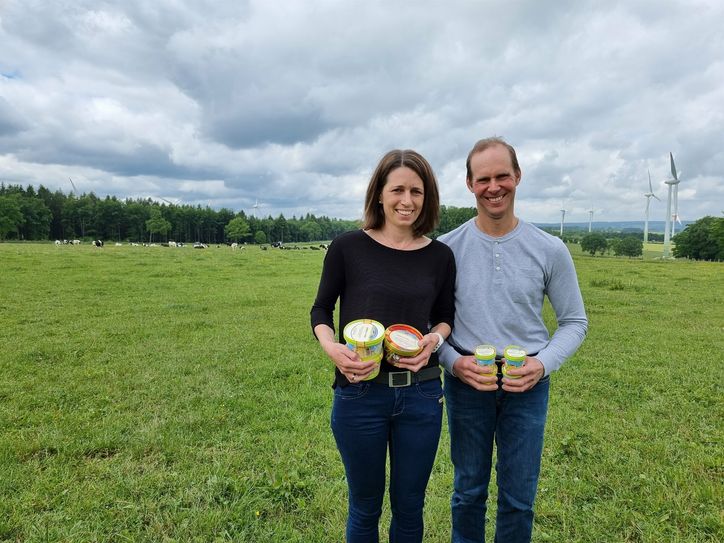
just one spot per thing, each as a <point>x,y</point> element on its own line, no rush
<point>479,377</point>
<point>531,372</point>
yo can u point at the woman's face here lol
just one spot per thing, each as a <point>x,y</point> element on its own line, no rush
<point>402,197</point>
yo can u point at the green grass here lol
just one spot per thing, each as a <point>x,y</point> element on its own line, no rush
<point>155,394</point>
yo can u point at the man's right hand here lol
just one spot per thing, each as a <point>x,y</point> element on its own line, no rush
<point>479,377</point>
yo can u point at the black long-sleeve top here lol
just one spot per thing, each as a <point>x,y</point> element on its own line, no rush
<point>391,286</point>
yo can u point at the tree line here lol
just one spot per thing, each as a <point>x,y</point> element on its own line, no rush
<point>701,240</point>
<point>35,215</point>
<point>28,214</point>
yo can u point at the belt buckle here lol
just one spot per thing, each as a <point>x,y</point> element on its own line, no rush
<point>398,379</point>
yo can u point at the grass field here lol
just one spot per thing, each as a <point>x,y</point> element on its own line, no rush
<point>155,394</point>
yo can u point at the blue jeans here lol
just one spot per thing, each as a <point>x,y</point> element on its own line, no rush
<point>367,420</point>
<point>515,422</point>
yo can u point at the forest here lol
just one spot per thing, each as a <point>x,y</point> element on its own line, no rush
<point>29,214</point>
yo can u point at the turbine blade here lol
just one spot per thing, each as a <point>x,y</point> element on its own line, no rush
<point>651,190</point>
<point>659,199</point>
<point>673,166</point>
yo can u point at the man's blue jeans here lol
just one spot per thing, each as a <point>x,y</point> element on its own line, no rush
<point>369,418</point>
<point>515,422</point>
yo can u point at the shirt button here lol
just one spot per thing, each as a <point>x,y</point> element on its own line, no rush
<point>497,268</point>
<point>497,255</point>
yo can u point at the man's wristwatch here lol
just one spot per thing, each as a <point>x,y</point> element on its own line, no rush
<point>440,341</point>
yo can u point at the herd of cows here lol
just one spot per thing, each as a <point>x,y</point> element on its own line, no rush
<point>95,242</point>
<point>198,245</point>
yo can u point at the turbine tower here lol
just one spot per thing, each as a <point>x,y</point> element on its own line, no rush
<point>648,196</point>
<point>672,183</point>
<point>590,219</point>
<point>563,218</point>
<point>675,215</point>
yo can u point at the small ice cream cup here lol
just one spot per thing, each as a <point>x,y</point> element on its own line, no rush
<point>365,337</point>
<point>485,355</point>
<point>514,358</point>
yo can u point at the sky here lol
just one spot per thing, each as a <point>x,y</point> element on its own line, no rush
<point>285,107</point>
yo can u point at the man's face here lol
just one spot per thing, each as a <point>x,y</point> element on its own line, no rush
<point>493,182</point>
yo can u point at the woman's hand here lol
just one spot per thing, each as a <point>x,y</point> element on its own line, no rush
<point>416,363</point>
<point>348,362</point>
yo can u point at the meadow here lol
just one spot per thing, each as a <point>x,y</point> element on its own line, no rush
<point>156,394</point>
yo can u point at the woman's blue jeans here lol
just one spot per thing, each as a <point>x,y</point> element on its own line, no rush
<point>368,419</point>
<point>515,422</point>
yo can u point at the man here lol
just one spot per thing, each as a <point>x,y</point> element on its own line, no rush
<point>505,268</point>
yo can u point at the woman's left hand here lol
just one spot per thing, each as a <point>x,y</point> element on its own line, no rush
<point>416,363</point>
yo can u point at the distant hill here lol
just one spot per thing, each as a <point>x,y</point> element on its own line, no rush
<point>614,226</point>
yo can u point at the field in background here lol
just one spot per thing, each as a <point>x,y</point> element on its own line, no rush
<point>156,394</point>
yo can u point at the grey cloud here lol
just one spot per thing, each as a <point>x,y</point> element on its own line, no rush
<point>145,159</point>
<point>242,129</point>
<point>299,100</point>
<point>11,122</point>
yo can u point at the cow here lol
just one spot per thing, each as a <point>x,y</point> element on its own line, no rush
<point>57,242</point>
<point>98,243</point>
<point>76,242</point>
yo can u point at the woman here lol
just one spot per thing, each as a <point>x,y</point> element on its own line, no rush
<point>390,272</point>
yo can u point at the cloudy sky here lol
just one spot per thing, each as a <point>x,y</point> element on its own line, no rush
<point>291,103</point>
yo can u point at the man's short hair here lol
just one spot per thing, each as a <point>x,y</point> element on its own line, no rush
<point>486,143</point>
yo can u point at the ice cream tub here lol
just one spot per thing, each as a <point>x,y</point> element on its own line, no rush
<point>366,337</point>
<point>401,340</point>
<point>514,358</point>
<point>485,355</point>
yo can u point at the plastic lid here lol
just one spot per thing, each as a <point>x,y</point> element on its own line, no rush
<point>364,332</point>
<point>514,352</point>
<point>403,339</point>
<point>485,351</point>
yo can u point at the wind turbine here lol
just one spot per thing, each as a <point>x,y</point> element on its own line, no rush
<point>563,218</point>
<point>590,219</point>
<point>648,196</point>
<point>73,185</point>
<point>255,207</point>
<point>673,187</point>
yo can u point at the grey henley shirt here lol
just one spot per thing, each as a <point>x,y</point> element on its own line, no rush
<point>499,291</point>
